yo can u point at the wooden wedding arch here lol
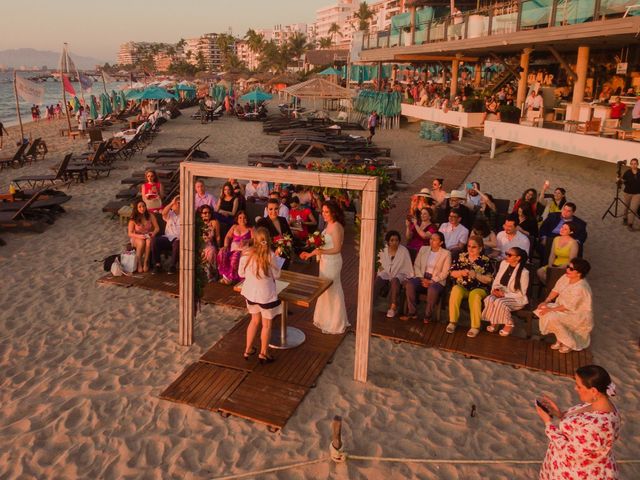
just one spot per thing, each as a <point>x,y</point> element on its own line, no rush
<point>367,185</point>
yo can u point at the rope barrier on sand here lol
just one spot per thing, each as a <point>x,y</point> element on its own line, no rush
<point>338,455</point>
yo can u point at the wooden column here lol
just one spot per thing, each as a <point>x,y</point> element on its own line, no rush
<point>582,65</point>
<point>455,65</point>
<point>412,25</point>
<point>524,73</point>
<point>366,275</point>
<point>187,247</point>
<point>477,80</point>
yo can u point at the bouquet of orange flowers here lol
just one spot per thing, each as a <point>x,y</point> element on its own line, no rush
<point>284,245</point>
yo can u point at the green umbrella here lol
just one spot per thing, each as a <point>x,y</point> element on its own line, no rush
<point>133,95</point>
<point>155,93</point>
<point>115,100</point>
<point>256,96</point>
<point>331,71</point>
<point>93,107</point>
<point>123,99</point>
<point>105,105</point>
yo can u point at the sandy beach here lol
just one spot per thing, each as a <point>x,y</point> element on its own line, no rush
<point>82,364</point>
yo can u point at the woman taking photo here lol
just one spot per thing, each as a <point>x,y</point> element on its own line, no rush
<point>259,268</point>
<point>330,314</point>
<point>581,443</point>
<point>419,231</point>
<point>235,241</point>
<point>211,238</point>
<point>567,311</point>
<point>508,292</point>
<point>555,204</point>
<point>563,249</point>
<point>142,227</point>
<point>472,273</point>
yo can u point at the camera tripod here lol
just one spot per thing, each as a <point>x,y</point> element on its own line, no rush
<point>613,206</point>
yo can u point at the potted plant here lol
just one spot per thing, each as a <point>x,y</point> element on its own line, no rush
<point>509,114</point>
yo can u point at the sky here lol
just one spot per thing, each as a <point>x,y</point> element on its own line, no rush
<point>96,29</point>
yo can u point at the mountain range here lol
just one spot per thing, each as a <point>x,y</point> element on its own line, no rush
<point>30,57</point>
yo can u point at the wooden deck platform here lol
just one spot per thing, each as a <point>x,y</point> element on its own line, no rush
<point>516,351</point>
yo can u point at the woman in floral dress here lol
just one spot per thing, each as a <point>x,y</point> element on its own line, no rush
<point>211,238</point>
<point>581,444</point>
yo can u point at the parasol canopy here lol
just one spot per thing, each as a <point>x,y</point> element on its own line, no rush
<point>256,96</point>
<point>331,71</point>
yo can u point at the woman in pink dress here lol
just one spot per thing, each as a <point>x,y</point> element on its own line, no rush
<point>152,191</point>
<point>236,240</point>
<point>581,443</point>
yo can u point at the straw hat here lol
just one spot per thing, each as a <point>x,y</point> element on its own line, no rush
<point>424,193</point>
<point>458,194</point>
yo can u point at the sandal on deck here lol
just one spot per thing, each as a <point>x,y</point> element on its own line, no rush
<point>246,355</point>
<point>504,332</point>
<point>266,359</point>
<point>491,328</point>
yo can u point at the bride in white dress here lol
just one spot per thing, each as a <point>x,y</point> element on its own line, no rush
<point>330,314</point>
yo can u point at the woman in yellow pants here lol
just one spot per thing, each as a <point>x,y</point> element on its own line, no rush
<point>472,273</point>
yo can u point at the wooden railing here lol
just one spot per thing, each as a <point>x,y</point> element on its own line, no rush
<point>508,17</point>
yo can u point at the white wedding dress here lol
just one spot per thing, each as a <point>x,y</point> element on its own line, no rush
<point>330,315</point>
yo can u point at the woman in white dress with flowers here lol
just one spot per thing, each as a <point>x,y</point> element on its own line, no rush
<point>330,314</point>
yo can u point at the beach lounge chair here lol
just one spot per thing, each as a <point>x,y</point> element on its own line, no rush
<point>52,204</point>
<point>181,152</point>
<point>22,219</point>
<point>17,160</point>
<point>63,174</point>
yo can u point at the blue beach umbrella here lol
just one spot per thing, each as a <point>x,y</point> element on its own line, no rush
<point>115,100</point>
<point>155,93</point>
<point>123,99</point>
<point>133,95</point>
<point>331,71</point>
<point>256,96</point>
<point>105,105</point>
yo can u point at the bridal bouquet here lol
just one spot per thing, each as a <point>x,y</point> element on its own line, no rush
<point>315,240</point>
<point>284,245</point>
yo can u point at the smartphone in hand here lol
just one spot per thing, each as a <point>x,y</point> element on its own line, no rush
<point>543,407</point>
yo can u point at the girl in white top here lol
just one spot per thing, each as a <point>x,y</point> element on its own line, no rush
<point>259,268</point>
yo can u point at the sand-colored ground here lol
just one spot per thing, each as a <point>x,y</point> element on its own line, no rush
<point>82,365</point>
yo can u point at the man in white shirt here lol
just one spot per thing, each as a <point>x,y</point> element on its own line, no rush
<point>534,105</point>
<point>455,234</point>
<point>171,238</point>
<point>511,237</point>
<point>257,190</point>
<point>202,197</point>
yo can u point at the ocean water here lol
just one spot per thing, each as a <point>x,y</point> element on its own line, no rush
<point>52,95</point>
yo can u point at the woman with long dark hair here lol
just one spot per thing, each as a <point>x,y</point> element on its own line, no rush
<point>508,292</point>
<point>581,443</point>
<point>236,240</point>
<point>142,227</point>
<point>330,314</point>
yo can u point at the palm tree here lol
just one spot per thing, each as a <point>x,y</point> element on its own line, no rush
<point>254,40</point>
<point>225,44</point>
<point>297,45</point>
<point>333,29</point>
<point>325,42</point>
<point>364,16</point>
<point>274,58</point>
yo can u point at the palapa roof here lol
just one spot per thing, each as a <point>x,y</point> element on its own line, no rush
<point>326,57</point>
<point>318,88</point>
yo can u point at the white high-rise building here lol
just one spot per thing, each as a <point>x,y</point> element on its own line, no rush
<point>339,14</point>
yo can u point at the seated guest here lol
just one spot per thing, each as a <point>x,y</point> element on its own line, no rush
<point>152,191</point>
<point>212,240</point>
<point>171,239</point>
<point>529,198</point>
<point>527,223</point>
<point>300,220</point>
<point>277,225</point>
<point>455,234</point>
<point>227,207</point>
<point>456,201</point>
<point>486,210</point>
<point>395,269</point>
<point>472,274</point>
<point>473,199</point>
<point>510,237</point>
<point>256,190</point>
<point>419,231</point>
<point>617,109</point>
<point>419,201</point>
<point>550,228</point>
<point>430,272</point>
<point>283,210</point>
<point>481,229</point>
<point>508,292</point>
<point>237,239</point>
<point>438,193</point>
<point>567,311</point>
<point>202,197</point>
<point>142,229</point>
<point>563,249</point>
<point>555,204</point>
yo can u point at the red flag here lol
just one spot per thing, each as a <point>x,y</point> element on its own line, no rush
<point>67,85</point>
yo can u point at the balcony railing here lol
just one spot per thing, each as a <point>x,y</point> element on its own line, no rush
<point>513,16</point>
